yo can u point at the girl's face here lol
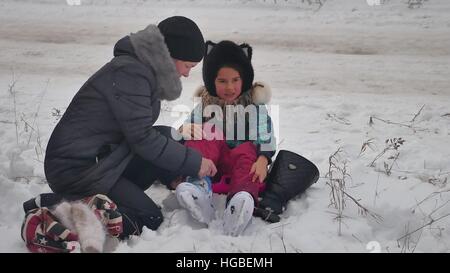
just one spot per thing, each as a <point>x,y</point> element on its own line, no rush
<point>228,84</point>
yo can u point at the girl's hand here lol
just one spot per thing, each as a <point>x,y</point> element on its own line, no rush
<point>191,131</point>
<point>259,169</point>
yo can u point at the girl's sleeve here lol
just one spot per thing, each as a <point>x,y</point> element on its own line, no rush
<point>265,141</point>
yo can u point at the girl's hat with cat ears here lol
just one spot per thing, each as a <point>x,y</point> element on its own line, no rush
<point>227,53</point>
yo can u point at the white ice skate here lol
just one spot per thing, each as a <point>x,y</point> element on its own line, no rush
<point>238,213</point>
<point>195,195</point>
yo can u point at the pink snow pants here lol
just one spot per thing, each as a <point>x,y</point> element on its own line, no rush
<point>233,165</point>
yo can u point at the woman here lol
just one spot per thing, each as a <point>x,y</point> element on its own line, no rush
<point>106,141</point>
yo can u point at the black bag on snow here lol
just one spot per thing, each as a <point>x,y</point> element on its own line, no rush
<point>290,175</point>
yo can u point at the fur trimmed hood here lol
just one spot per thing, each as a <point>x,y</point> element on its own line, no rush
<point>150,48</point>
<point>259,93</point>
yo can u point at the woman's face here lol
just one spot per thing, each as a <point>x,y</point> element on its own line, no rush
<point>184,67</point>
<point>228,84</point>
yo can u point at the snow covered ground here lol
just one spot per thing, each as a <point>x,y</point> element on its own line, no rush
<point>330,69</point>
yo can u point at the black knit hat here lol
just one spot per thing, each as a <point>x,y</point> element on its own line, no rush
<point>183,38</point>
<point>227,53</point>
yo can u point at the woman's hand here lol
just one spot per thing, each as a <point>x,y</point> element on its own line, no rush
<point>259,169</point>
<point>207,168</point>
<point>191,131</point>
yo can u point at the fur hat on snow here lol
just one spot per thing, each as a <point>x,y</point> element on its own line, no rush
<point>227,53</point>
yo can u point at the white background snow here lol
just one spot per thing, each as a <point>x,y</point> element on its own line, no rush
<point>330,70</point>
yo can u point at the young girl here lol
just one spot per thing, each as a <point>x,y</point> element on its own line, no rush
<point>242,156</point>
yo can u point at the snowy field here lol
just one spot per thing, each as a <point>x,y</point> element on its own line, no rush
<point>345,76</point>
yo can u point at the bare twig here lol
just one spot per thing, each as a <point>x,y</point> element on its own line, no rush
<point>397,123</point>
<point>282,238</point>
<point>354,236</point>
<point>367,143</point>
<point>428,197</point>
<point>37,110</point>
<point>406,239</point>
<point>391,144</point>
<point>438,208</point>
<point>56,113</point>
<point>423,213</point>
<point>336,200</point>
<point>371,121</point>
<point>12,91</point>
<point>432,221</point>
<point>417,242</point>
<point>364,210</point>
<point>338,119</point>
<point>376,191</point>
<point>418,113</point>
<point>391,122</point>
<point>337,173</point>
<point>27,124</point>
<point>389,168</point>
<point>297,250</point>
<point>39,143</point>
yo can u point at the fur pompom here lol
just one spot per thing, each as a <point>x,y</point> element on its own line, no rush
<point>261,93</point>
<point>79,218</point>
